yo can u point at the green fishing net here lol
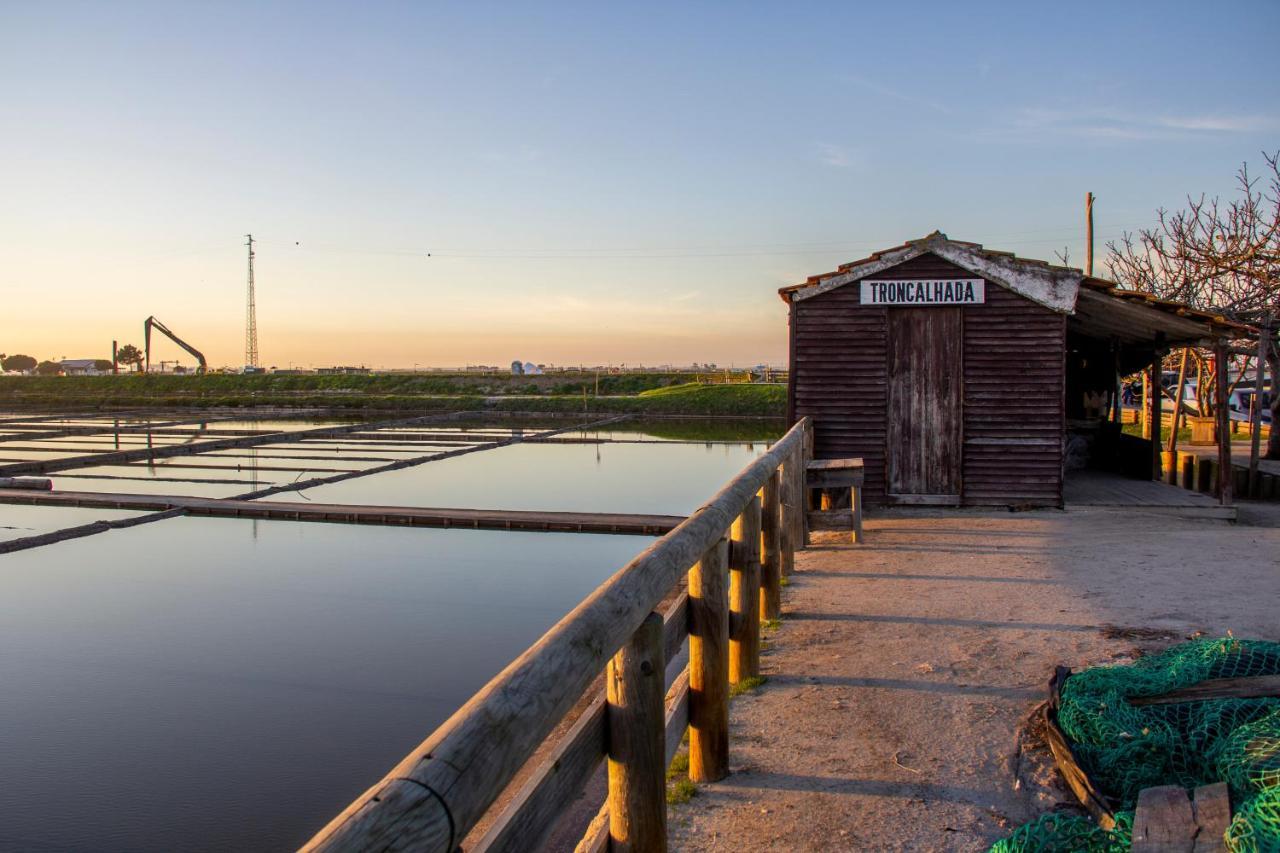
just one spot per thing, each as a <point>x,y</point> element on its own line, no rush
<point>1059,833</point>
<point>1255,828</point>
<point>1125,748</point>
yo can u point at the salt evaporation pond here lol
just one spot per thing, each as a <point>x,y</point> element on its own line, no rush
<point>663,478</point>
<point>224,684</point>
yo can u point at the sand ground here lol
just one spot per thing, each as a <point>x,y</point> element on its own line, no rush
<point>903,673</point>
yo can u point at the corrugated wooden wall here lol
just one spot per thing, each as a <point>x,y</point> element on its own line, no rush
<point>1013,384</point>
<point>1014,355</point>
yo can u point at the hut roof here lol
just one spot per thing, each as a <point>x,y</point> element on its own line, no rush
<point>1096,307</point>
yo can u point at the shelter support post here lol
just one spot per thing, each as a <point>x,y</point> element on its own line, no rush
<point>1223,416</point>
<point>1154,410</point>
<point>1255,410</point>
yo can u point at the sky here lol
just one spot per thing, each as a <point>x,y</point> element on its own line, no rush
<point>440,184</point>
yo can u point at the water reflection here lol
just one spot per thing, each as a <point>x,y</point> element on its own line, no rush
<point>189,686</point>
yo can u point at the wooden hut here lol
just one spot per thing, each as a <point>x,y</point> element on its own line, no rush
<point>961,375</point>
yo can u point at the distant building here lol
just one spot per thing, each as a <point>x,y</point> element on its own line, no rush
<point>531,369</point>
<point>81,367</point>
<point>344,370</point>
<point>517,368</point>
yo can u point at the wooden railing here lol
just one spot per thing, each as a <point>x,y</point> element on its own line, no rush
<point>735,550</point>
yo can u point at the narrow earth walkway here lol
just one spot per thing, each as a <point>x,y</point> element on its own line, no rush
<point>905,668</point>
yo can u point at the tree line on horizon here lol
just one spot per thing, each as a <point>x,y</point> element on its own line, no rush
<point>127,355</point>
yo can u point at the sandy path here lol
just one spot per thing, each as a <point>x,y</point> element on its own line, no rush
<point>904,668</point>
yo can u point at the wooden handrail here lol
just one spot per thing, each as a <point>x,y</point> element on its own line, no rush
<point>437,794</point>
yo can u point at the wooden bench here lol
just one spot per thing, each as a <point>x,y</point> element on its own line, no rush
<point>839,474</point>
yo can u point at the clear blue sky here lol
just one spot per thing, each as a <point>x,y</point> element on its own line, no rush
<point>596,183</point>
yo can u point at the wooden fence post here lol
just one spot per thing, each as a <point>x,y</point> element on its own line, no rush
<point>744,595</point>
<point>709,665</point>
<point>806,456</point>
<point>788,497</point>
<point>771,549</point>
<point>636,718</point>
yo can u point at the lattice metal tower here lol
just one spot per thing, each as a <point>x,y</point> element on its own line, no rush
<point>251,318</point>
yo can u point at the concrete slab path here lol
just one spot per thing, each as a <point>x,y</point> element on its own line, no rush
<point>905,668</point>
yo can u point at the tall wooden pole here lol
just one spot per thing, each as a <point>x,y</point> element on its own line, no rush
<point>1088,232</point>
<point>1223,417</point>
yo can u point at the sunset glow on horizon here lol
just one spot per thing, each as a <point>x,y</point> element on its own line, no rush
<point>444,186</point>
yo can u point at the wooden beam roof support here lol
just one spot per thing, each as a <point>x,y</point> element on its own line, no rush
<point>1222,415</point>
<point>1154,409</point>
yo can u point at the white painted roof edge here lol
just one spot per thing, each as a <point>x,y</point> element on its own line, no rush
<point>1055,289</point>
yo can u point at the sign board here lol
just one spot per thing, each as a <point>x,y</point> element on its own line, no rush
<point>923,292</point>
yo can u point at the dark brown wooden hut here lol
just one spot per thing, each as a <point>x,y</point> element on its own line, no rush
<point>957,373</point>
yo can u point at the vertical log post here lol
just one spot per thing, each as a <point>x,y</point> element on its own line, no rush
<point>1177,401</point>
<point>1223,415</point>
<point>709,665</point>
<point>771,549</point>
<point>1255,408</point>
<point>806,456</point>
<point>1154,410</point>
<point>1204,476</point>
<point>1188,465</point>
<point>788,499</point>
<point>744,595</point>
<point>636,718</point>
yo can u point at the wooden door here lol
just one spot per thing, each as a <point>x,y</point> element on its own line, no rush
<point>923,432</point>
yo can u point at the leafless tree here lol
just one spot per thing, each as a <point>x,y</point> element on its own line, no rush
<point>1216,256</point>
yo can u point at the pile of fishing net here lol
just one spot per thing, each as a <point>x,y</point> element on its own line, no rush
<point>1125,748</point>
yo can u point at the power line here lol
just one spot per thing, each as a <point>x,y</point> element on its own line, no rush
<point>662,253</point>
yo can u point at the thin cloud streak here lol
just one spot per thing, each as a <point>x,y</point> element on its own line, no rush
<point>1032,124</point>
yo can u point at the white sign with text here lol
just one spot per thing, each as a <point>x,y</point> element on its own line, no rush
<point>921,292</point>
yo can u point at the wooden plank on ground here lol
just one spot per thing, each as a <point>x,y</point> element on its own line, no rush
<point>1163,821</point>
<point>1212,807</point>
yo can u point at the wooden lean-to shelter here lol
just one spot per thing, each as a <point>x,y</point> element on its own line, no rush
<point>964,376</point>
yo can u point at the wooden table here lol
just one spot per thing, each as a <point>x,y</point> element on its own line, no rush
<point>840,474</point>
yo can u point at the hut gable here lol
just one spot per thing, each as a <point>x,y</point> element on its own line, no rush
<point>947,368</point>
<point>845,365</point>
<point>1053,287</point>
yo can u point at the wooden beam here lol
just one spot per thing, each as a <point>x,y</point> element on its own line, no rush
<point>1154,411</point>
<point>478,519</point>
